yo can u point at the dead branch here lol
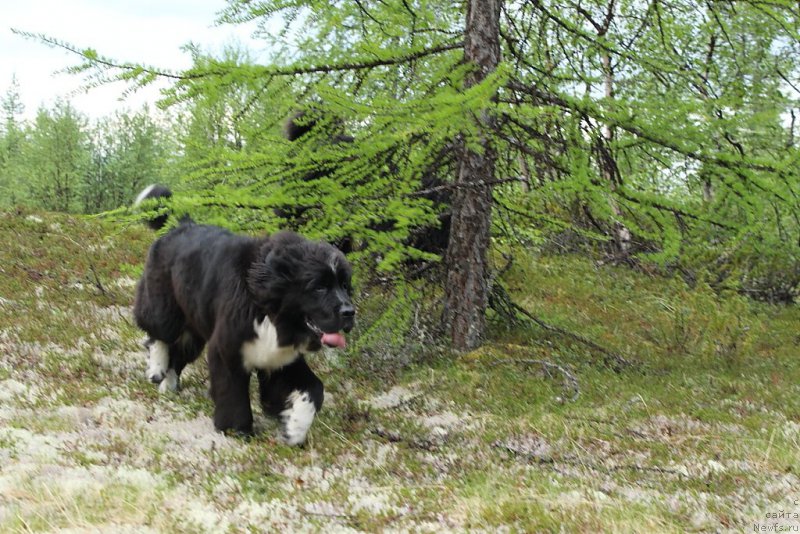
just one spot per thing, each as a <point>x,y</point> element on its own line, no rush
<point>501,301</point>
<point>570,381</point>
<point>579,462</point>
<point>392,436</point>
<point>306,511</point>
<point>97,283</point>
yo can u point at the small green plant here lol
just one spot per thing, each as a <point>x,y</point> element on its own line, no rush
<point>698,323</point>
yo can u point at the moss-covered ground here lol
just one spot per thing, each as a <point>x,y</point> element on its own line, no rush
<point>701,432</point>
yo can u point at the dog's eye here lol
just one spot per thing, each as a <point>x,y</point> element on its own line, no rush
<point>321,289</point>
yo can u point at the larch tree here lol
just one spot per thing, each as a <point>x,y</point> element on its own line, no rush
<point>56,157</point>
<point>665,128</point>
<point>12,138</point>
<point>467,283</point>
<point>128,151</point>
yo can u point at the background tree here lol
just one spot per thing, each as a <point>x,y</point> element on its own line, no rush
<point>62,162</point>
<point>128,151</point>
<point>12,138</point>
<point>56,157</point>
<point>696,90</point>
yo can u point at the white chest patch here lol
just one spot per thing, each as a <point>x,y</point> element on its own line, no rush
<point>263,352</point>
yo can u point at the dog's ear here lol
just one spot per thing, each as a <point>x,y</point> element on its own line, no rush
<point>284,262</point>
<point>271,276</point>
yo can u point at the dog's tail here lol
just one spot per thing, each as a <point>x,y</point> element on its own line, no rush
<point>155,191</point>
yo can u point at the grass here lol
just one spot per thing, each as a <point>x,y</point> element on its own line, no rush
<point>701,433</point>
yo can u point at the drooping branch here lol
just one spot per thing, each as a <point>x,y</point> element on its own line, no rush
<point>626,194</point>
<point>220,68</point>
<point>93,58</point>
<point>360,65</point>
<point>594,111</point>
<point>605,44</point>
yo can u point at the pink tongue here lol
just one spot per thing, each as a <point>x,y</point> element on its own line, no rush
<point>333,340</point>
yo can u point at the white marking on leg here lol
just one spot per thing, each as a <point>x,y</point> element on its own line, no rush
<point>296,419</point>
<point>158,362</point>
<point>263,352</point>
<point>171,382</point>
<point>143,195</point>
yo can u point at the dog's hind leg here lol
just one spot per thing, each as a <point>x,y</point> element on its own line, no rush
<point>158,360</point>
<point>294,395</point>
<point>181,353</point>
<point>157,313</point>
<point>168,360</point>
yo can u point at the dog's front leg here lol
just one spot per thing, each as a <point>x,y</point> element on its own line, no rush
<point>294,395</point>
<point>230,392</point>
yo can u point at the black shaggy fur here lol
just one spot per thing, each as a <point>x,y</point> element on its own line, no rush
<point>204,285</point>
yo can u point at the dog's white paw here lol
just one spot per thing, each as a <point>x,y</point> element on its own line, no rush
<point>155,375</point>
<point>158,362</point>
<point>171,382</point>
<point>296,419</point>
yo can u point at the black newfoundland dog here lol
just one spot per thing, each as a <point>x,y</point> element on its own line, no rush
<point>258,304</point>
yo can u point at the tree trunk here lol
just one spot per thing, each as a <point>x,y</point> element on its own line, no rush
<point>606,161</point>
<point>467,286</point>
<point>622,236</point>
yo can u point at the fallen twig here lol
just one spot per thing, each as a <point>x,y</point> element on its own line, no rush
<point>393,436</point>
<point>97,283</point>
<point>502,302</point>
<point>619,359</point>
<point>306,511</point>
<point>549,460</point>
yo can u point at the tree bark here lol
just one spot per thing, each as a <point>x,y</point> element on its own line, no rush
<point>467,286</point>
<point>622,235</point>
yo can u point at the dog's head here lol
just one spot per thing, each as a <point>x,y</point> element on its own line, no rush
<point>307,281</point>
